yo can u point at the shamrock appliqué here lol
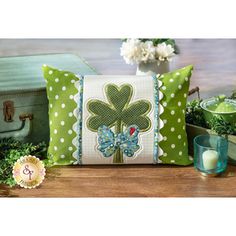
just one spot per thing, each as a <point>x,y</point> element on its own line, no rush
<point>119,112</point>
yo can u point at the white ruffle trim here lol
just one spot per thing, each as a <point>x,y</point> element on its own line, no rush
<point>161,123</point>
<point>75,126</point>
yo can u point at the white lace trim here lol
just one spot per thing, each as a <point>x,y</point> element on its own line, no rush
<point>161,123</point>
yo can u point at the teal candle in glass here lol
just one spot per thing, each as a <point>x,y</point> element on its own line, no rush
<point>210,154</point>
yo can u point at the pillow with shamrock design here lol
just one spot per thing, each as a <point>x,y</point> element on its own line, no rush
<point>98,119</point>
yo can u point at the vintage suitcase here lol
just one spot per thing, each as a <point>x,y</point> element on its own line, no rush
<point>23,100</point>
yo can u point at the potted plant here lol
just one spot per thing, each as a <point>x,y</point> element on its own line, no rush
<point>152,56</point>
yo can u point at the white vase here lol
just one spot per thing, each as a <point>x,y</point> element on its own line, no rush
<point>152,68</point>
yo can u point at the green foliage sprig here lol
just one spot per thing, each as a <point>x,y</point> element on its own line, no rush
<point>11,150</point>
<point>233,96</point>
<point>222,127</point>
<point>194,113</point>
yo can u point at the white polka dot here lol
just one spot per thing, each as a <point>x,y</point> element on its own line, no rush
<point>165,154</point>
<point>71,97</point>
<point>186,78</point>
<point>179,104</point>
<point>64,88</point>
<point>50,105</point>
<point>177,73</point>
<point>173,146</point>
<point>164,121</point>
<point>162,76</point>
<point>172,161</point>
<point>56,97</point>
<point>164,104</point>
<point>70,114</point>
<point>62,140</point>
<point>70,148</point>
<point>44,65</point>
<point>172,112</point>
<point>70,131</point>
<point>164,88</point>
<point>183,111</point>
<point>55,148</point>
<point>62,122</point>
<point>56,114</point>
<point>50,72</point>
<point>51,139</point>
<point>63,105</point>
<point>55,131</point>
<point>172,129</point>
<point>180,86</point>
<point>179,120</point>
<point>66,74</point>
<point>184,144</point>
<point>190,158</point>
<point>184,127</point>
<point>164,138</point>
<point>72,81</point>
<point>171,80</point>
<point>179,137</point>
<point>180,153</point>
<point>56,80</point>
<point>172,95</point>
<point>50,88</point>
<point>62,156</point>
<point>185,95</point>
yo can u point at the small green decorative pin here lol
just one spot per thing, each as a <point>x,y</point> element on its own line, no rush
<point>118,112</point>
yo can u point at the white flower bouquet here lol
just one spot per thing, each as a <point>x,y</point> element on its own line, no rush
<point>136,51</point>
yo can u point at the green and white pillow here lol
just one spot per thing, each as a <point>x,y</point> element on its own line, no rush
<point>101,119</point>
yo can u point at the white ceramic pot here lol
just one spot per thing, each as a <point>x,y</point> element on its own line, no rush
<point>153,68</point>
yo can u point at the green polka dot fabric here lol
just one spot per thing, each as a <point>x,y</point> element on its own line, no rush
<point>174,89</point>
<point>61,91</point>
<point>68,101</point>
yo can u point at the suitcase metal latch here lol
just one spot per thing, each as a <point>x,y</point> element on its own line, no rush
<point>8,111</point>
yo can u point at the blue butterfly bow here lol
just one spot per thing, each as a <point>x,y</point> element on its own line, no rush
<point>109,142</point>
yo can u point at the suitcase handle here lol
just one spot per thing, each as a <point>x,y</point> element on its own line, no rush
<point>25,122</point>
<point>195,90</point>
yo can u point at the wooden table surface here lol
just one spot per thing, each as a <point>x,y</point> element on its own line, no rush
<point>215,73</point>
<point>129,181</point>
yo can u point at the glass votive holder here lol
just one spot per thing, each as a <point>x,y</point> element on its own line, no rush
<point>210,154</point>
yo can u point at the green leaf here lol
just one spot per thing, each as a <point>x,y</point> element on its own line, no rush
<point>100,108</point>
<point>143,122</point>
<point>94,122</point>
<point>119,97</point>
<point>136,114</point>
<point>137,109</point>
<point>102,114</point>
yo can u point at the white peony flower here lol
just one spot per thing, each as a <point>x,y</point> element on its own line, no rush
<point>164,52</point>
<point>134,51</point>
<point>148,51</point>
<point>131,51</point>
